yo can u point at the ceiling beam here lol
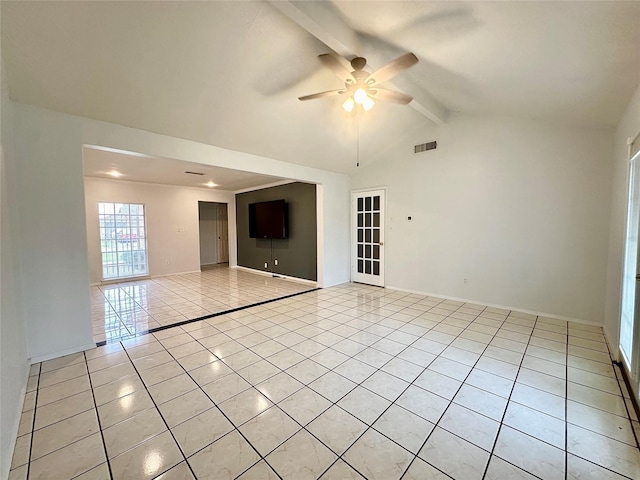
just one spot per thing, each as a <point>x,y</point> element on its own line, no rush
<point>322,21</point>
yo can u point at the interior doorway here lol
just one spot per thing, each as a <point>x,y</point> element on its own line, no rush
<point>367,234</point>
<point>214,233</point>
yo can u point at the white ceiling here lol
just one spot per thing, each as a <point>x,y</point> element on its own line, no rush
<point>135,167</point>
<point>229,73</point>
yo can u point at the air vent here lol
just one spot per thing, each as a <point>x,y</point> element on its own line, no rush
<point>423,147</point>
<point>194,173</point>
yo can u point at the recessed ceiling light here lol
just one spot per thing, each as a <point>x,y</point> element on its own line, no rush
<point>114,173</point>
<point>210,184</point>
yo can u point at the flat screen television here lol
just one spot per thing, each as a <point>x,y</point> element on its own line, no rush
<point>268,219</point>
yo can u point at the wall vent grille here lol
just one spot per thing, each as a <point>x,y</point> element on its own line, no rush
<point>423,147</point>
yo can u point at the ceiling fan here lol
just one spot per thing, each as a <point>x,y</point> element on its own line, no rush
<point>362,85</point>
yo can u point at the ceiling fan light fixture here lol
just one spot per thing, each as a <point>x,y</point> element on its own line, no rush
<point>349,104</point>
<point>360,96</point>
<point>362,85</point>
<point>368,104</point>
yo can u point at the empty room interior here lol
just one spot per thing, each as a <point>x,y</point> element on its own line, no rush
<point>320,239</point>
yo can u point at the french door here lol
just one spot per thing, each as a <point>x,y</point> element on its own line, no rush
<point>123,240</point>
<point>630,308</point>
<point>367,220</point>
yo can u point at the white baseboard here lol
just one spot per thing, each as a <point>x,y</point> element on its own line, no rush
<point>504,307</point>
<point>176,273</point>
<point>277,275</point>
<point>49,356</point>
<point>145,277</point>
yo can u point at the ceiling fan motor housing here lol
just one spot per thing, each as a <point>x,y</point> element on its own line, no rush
<point>358,63</point>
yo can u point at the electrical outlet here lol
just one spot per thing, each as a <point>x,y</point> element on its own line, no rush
<point>276,263</point>
<point>466,281</point>
<point>265,265</point>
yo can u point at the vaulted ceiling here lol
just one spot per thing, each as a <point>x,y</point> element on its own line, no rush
<point>229,73</point>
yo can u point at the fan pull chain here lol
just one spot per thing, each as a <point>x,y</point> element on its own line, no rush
<point>357,138</point>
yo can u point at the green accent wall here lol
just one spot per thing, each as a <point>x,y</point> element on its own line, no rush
<point>297,254</point>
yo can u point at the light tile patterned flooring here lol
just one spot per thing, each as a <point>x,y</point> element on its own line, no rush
<point>125,310</point>
<point>341,383</point>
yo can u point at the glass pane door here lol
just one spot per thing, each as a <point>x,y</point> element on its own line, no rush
<point>368,237</point>
<point>123,240</point>
<point>630,307</point>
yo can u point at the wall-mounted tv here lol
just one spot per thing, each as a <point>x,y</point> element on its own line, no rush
<point>268,219</point>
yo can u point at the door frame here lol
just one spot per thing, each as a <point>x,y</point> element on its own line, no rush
<point>631,366</point>
<point>222,230</point>
<point>218,206</point>
<point>353,234</point>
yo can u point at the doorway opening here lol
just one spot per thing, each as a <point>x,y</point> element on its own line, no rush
<point>214,234</point>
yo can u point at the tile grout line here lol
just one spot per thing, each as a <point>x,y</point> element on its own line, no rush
<point>393,357</point>
<point>435,424</point>
<point>237,428</point>
<point>596,408</point>
<point>95,404</point>
<point>459,388</point>
<point>64,419</point>
<point>215,405</point>
<point>515,380</point>
<point>412,383</point>
<point>348,357</point>
<point>425,368</point>
<point>566,408</point>
<point>360,384</point>
<point>305,385</point>
<point>180,288</point>
<point>626,406</point>
<point>205,317</point>
<point>436,357</point>
<point>585,428</point>
<point>33,422</point>
<point>161,416</point>
<point>625,380</point>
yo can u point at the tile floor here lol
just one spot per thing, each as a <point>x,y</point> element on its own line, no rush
<point>124,310</point>
<point>348,382</point>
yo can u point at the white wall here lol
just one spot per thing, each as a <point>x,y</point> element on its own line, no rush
<point>14,365</point>
<point>629,126</point>
<point>53,234</point>
<point>52,225</point>
<point>520,208</point>
<point>166,208</point>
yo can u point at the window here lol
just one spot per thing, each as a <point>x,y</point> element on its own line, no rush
<point>123,240</point>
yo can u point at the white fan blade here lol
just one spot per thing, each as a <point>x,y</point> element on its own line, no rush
<point>392,69</point>
<point>323,94</point>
